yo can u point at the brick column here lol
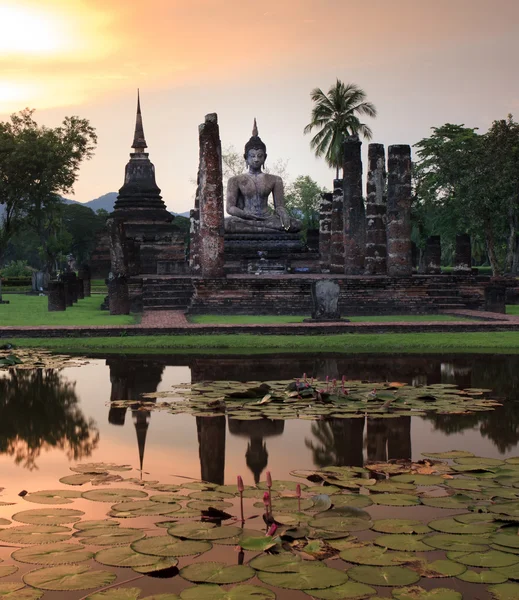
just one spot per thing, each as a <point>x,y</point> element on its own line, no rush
<point>84,274</point>
<point>399,261</point>
<point>375,262</point>
<point>325,222</point>
<point>337,229</point>
<point>194,239</point>
<point>354,211</point>
<point>433,255</point>
<point>56,298</point>
<point>118,294</point>
<point>463,255</point>
<point>70,280</point>
<point>80,288</point>
<point>211,235</point>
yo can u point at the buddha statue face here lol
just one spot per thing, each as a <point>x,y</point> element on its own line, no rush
<point>256,158</point>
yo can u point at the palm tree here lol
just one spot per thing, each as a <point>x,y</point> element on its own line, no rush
<point>336,115</point>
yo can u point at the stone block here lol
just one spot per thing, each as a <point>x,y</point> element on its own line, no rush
<point>56,296</point>
<point>495,298</point>
<point>325,300</point>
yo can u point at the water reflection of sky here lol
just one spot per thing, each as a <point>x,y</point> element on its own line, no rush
<point>184,445</point>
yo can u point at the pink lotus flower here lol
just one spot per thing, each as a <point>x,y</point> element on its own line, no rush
<point>272,529</point>
<point>266,499</point>
<point>241,487</point>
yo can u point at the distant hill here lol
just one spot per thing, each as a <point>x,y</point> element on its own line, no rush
<point>106,202</point>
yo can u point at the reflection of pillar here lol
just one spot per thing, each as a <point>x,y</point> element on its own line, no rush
<point>399,438</point>
<point>211,445</point>
<point>377,439</point>
<point>257,457</point>
<point>348,435</point>
<point>141,420</point>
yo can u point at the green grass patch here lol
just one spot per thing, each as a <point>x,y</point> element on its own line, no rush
<point>273,319</point>
<point>32,310</point>
<point>512,309</point>
<point>349,343</point>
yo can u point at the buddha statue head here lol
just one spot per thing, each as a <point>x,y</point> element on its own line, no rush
<point>255,150</point>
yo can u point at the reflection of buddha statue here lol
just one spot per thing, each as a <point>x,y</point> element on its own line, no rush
<point>248,193</point>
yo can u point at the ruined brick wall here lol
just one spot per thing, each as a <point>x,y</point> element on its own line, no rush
<point>376,212</point>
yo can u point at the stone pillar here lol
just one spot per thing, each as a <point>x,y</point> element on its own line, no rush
<point>56,297</point>
<point>80,288</point>
<point>194,239</point>
<point>463,255</point>
<point>119,298</point>
<point>325,222</point>
<point>84,274</point>
<point>2,301</point>
<point>495,298</point>
<point>399,263</point>
<point>211,235</point>
<point>337,229</point>
<point>433,255</point>
<point>375,262</point>
<point>354,214</point>
<point>70,280</point>
<point>67,291</point>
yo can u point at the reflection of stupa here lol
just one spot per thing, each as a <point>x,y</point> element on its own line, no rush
<point>256,455</point>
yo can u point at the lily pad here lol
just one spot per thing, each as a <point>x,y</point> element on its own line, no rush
<point>489,559</point>
<point>309,576</point>
<point>116,594</point>
<point>281,486</point>
<point>506,539</point>
<point>505,591</point>
<point>409,543</point>
<point>6,570</point>
<point>276,563</point>
<point>340,524</point>
<point>68,578</point>
<point>142,508</point>
<point>366,554</point>
<point>350,590</point>
<point>113,494</point>
<point>35,534</point>
<point>53,554</point>
<point>477,460</point>
<point>160,564</point>
<point>109,536</point>
<point>399,526</point>
<point>215,572</point>
<point>77,479</point>
<point>48,516</point>
<point>384,576</point>
<point>456,543</point>
<point>418,593</point>
<point>355,500</point>
<point>438,568</point>
<point>84,525</point>
<point>215,592</point>
<point>258,543</point>
<point>165,545</point>
<point>483,576</point>
<point>52,496</point>
<point>123,556</point>
<point>395,499</point>
<point>17,591</point>
<point>449,454</point>
<point>453,526</point>
<point>456,502</point>
<point>202,531</point>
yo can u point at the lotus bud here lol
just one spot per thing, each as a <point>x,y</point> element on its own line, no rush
<point>272,529</point>
<point>298,490</point>
<point>241,487</point>
<point>269,480</point>
<point>266,499</point>
<point>304,376</point>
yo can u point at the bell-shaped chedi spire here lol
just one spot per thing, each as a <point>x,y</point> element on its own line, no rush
<point>139,141</point>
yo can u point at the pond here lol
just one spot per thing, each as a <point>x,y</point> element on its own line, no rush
<point>52,419</point>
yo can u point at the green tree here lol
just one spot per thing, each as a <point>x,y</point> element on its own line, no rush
<point>336,115</point>
<point>37,165</point>
<point>82,224</point>
<point>302,201</point>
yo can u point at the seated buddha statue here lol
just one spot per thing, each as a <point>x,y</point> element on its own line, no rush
<point>248,194</point>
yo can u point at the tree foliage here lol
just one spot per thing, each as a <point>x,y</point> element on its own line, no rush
<point>302,201</point>
<point>469,182</point>
<point>37,165</point>
<point>335,116</point>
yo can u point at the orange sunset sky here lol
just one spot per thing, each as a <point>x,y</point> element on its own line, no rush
<point>422,63</point>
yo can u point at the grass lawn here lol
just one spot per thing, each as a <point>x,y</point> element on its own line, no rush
<point>512,309</point>
<point>32,310</point>
<point>352,343</point>
<point>268,319</point>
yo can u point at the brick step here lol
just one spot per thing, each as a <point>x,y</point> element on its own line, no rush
<point>169,301</point>
<point>167,293</point>
<point>165,307</point>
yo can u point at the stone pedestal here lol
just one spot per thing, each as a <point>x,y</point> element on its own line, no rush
<point>463,255</point>
<point>80,288</point>
<point>84,274</point>
<point>69,279</point>
<point>376,211</point>
<point>399,262</point>
<point>354,215</point>
<point>495,298</point>
<point>119,298</point>
<point>56,297</point>
<point>325,222</point>
<point>337,229</point>
<point>325,300</point>
<point>433,255</point>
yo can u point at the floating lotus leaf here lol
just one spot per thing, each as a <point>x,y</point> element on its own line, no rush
<point>514,460</point>
<point>258,543</point>
<point>489,559</point>
<point>4,522</point>
<point>511,572</point>
<point>116,594</point>
<point>84,525</point>
<point>391,486</point>
<point>456,543</point>
<point>200,505</point>
<point>504,549</point>
<point>355,500</point>
<point>123,556</point>
<point>235,539</point>
<point>113,494</point>
<point>289,504</point>
<point>309,576</point>
<point>17,591</point>
<point>319,503</point>
<point>215,572</point>
<point>477,460</point>
<point>349,590</point>
<point>510,540</point>
<point>68,578</point>
<point>474,518</point>
<point>384,576</point>
<point>344,543</point>
<point>395,499</point>
<point>6,570</point>
<point>53,554</point>
<point>372,555</point>
<point>142,508</point>
<point>464,484</point>
<point>405,542</point>
<point>322,489</point>
<point>35,534</point>
<point>199,485</point>
<point>167,498</point>
<point>453,526</point>
<point>293,518</point>
<point>282,486</point>
<point>438,568</point>
<point>505,591</point>
<point>160,565</point>
<point>418,593</point>
<point>48,516</point>
<point>99,467</point>
<point>399,526</point>
<point>254,493</point>
<point>483,576</point>
<point>457,501</point>
<point>164,487</point>
<point>165,545</point>
<point>211,495</point>
<point>215,592</point>
<point>448,454</point>
<point>418,479</point>
<point>340,524</point>
<point>509,508</point>
<point>109,536</point>
<point>195,531</point>
<point>52,496</point>
<point>78,479</point>
<point>276,563</point>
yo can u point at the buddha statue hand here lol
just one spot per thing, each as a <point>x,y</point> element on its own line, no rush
<point>283,217</point>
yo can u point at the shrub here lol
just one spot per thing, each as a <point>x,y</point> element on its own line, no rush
<point>17,268</point>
